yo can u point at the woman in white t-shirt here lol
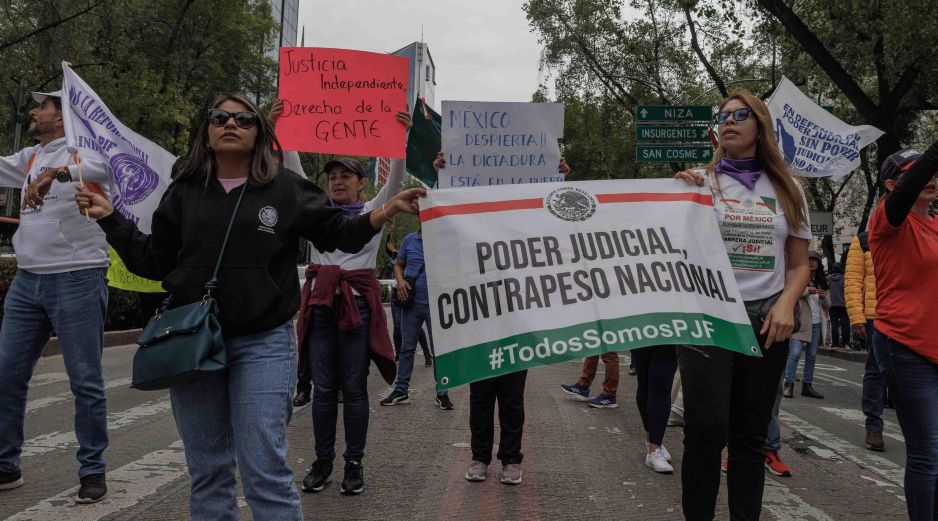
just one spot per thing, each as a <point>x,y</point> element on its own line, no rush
<point>728,397</point>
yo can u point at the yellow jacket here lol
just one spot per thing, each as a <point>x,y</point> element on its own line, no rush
<point>860,282</point>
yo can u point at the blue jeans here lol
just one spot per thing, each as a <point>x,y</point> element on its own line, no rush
<point>396,312</point>
<point>412,320</point>
<point>810,356</point>
<point>874,382</point>
<point>74,305</point>
<point>339,360</point>
<point>915,381</point>
<point>241,415</point>
<point>773,438</point>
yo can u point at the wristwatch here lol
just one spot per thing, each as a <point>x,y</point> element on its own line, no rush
<point>62,175</point>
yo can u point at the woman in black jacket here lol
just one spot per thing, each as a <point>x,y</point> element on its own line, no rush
<point>241,414</point>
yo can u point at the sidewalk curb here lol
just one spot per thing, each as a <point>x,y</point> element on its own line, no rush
<point>851,355</point>
<point>111,339</point>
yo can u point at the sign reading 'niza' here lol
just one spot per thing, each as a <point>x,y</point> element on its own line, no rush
<point>673,113</point>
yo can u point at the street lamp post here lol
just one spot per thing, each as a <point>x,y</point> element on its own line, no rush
<point>18,113</point>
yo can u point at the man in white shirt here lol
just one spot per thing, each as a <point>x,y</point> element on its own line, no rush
<point>59,286</point>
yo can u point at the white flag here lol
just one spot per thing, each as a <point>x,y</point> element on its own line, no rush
<point>813,141</point>
<point>141,167</point>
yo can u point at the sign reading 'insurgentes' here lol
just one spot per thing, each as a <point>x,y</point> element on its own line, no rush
<point>528,275</point>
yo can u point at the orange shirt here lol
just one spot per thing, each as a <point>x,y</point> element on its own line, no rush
<point>905,260</point>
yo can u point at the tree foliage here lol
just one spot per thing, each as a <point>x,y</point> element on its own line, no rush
<point>873,61</point>
<point>156,63</point>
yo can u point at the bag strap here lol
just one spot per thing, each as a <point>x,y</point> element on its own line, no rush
<point>212,284</point>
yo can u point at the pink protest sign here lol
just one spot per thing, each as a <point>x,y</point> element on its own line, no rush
<point>343,102</point>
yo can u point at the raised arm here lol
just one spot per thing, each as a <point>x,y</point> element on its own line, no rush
<point>899,202</point>
<point>13,168</point>
<point>151,256</point>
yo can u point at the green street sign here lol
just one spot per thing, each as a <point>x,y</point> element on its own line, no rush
<point>673,113</point>
<point>672,134</point>
<point>675,153</point>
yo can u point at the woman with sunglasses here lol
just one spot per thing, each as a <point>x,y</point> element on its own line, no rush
<point>728,397</point>
<point>342,323</point>
<point>904,242</point>
<point>238,417</point>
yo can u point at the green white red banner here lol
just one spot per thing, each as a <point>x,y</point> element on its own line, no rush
<point>526,275</point>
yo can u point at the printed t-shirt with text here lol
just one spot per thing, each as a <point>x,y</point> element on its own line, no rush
<point>754,229</point>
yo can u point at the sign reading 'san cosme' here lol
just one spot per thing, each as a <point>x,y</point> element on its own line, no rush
<point>529,275</point>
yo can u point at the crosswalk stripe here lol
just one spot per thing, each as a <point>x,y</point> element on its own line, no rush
<point>62,440</point>
<point>39,403</point>
<point>127,485</point>
<point>890,429</point>
<point>39,380</point>
<point>885,468</point>
<point>785,505</point>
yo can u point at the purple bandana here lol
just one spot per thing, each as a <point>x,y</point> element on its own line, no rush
<point>350,210</point>
<point>745,170</point>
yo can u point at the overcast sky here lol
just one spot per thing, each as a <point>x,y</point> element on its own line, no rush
<point>483,50</point>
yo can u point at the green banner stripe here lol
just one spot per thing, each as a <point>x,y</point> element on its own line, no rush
<point>551,346</point>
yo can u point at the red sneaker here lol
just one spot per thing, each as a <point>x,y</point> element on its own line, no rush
<point>725,465</point>
<point>775,465</point>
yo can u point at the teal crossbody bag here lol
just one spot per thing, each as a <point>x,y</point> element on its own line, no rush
<point>181,344</point>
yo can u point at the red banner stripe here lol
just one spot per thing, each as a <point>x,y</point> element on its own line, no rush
<point>487,207</point>
<point>533,204</point>
<point>704,199</point>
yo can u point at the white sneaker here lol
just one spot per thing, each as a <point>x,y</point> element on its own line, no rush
<point>667,455</point>
<point>658,463</point>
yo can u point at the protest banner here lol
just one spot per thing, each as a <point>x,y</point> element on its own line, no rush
<point>813,140</point>
<point>141,168</point>
<point>497,143</point>
<point>528,275</point>
<point>344,102</point>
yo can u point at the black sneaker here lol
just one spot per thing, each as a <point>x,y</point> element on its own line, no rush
<point>395,398</point>
<point>354,480</point>
<point>93,489</point>
<point>443,402</point>
<point>317,477</point>
<point>11,480</point>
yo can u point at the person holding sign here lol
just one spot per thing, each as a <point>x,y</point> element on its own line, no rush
<point>338,348</point>
<point>728,397</point>
<point>508,391</point>
<point>237,418</point>
<point>904,241</point>
<point>61,252</point>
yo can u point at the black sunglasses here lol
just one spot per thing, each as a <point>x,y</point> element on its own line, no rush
<point>219,117</point>
<point>739,115</point>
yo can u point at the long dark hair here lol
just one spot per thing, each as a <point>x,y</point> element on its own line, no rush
<point>819,278</point>
<point>267,157</point>
<point>786,187</point>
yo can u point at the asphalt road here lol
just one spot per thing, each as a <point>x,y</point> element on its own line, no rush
<point>580,463</point>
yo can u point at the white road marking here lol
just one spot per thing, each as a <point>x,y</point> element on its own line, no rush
<point>62,440</point>
<point>39,403</point>
<point>782,503</point>
<point>890,429</point>
<point>126,487</point>
<point>39,380</point>
<point>879,465</point>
